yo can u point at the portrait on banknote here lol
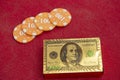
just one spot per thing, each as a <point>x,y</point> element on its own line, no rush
<point>71,54</point>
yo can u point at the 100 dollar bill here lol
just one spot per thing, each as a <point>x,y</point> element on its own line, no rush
<point>72,55</point>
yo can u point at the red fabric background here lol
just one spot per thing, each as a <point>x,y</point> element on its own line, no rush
<point>91,18</point>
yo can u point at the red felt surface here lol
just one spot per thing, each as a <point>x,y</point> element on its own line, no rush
<point>90,18</point>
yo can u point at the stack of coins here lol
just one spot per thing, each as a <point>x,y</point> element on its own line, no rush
<point>44,21</point>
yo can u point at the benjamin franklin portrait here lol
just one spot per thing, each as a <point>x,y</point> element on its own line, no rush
<point>71,54</point>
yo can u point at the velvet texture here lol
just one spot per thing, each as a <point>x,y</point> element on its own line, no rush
<point>90,18</point>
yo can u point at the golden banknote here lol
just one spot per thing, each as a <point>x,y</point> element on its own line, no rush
<point>72,55</point>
